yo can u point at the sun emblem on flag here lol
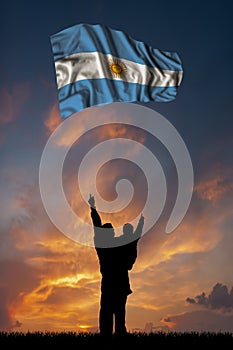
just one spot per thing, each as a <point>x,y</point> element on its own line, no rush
<point>117,68</point>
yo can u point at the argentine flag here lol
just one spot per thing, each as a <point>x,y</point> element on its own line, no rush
<point>95,65</point>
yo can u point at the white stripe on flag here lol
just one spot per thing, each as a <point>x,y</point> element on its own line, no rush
<point>96,65</point>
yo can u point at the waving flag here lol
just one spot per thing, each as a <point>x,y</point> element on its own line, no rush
<point>96,65</point>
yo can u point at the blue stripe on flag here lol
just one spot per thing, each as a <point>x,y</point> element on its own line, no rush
<point>91,38</point>
<point>82,94</point>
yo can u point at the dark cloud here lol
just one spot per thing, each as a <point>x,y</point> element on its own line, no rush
<point>201,321</point>
<point>191,300</point>
<point>219,298</point>
<point>202,299</point>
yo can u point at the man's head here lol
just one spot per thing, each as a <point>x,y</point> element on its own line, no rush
<point>110,230</point>
<point>128,229</point>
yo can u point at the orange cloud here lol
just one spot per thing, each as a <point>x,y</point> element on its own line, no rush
<point>54,119</point>
<point>215,186</point>
<point>67,284</point>
<point>65,292</point>
<point>194,235</point>
<point>82,121</point>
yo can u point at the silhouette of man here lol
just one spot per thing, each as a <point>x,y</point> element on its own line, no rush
<point>116,257</point>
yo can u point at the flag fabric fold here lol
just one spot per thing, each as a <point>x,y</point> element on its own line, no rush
<point>95,65</point>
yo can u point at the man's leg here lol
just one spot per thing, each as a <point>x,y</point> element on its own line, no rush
<point>120,313</point>
<point>106,315</point>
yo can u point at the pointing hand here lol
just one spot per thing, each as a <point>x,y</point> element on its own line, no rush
<point>91,201</point>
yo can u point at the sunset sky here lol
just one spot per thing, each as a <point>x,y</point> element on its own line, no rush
<point>180,281</point>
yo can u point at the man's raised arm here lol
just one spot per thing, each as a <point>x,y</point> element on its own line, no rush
<point>138,231</point>
<point>96,220</point>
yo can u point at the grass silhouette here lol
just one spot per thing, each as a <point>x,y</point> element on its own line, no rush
<point>85,339</point>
